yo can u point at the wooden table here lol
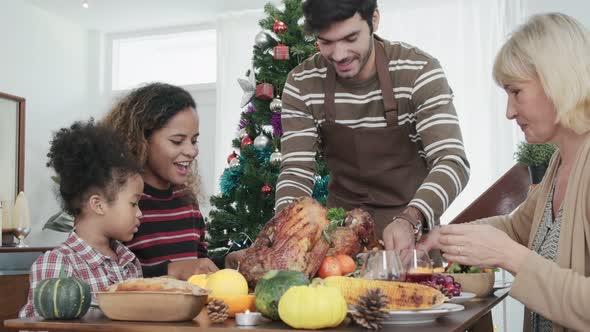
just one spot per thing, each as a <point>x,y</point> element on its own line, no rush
<point>476,317</point>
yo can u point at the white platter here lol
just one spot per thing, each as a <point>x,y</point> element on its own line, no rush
<point>464,297</point>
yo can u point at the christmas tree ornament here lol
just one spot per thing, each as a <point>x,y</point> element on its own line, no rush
<point>371,309</point>
<point>218,311</point>
<point>231,157</point>
<point>265,39</point>
<point>261,142</point>
<point>279,27</point>
<point>246,141</point>
<point>262,40</point>
<point>276,105</point>
<point>301,21</point>
<point>248,85</point>
<point>266,189</point>
<point>276,158</point>
<point>264,91</point>
<point>281,52</point>
<point>242,133</point>
<point>234,163</point>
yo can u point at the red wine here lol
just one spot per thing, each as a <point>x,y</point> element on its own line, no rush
<point>418,277</point>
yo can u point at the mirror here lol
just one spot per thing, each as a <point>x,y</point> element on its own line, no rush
<point>12,147</point>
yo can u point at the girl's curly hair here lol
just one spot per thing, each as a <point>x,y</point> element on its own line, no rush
<point>89,159</point>
<point>145,110</point>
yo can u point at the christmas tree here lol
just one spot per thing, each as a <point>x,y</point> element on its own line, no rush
<point>246,201</point>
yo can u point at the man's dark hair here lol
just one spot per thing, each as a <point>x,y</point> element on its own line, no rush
<point>320,14</point>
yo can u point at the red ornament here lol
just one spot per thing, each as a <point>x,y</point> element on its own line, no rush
<point>264,91</point>
<point>281,52</point>
<point>279,26</point>
<point>266,189</point>
<point>246,141</point>
<point>231,157</point>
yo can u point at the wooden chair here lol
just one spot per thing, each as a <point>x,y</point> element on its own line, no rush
<point>501,198</point>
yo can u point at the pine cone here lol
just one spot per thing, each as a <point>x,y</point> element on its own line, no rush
<point>371,309</point>
<point>218,311</point>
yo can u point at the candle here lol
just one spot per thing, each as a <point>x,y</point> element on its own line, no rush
<point>248,318</point>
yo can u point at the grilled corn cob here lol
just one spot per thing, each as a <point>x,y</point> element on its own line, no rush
<point>401,295</point>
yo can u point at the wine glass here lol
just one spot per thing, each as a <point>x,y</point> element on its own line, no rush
<point>383,265</point>
<point>418,265</point>
<point>21,233</point>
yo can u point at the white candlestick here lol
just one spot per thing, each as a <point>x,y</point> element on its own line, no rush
<point>248,318</point>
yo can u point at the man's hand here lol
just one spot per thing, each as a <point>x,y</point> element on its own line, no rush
<point>399,235</point>
<point>233,259</point>
<point>184,269</point>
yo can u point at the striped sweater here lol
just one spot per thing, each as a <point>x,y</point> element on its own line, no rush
<point>424,101</point>
<point>170,228</point>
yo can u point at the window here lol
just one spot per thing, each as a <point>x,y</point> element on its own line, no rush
<point>180,58</point>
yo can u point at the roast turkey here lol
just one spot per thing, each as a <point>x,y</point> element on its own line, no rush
<point>294,239</point>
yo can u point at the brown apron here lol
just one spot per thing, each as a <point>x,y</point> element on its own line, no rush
<point>376,169</point>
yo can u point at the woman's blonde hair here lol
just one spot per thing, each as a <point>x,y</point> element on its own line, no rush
<point>555,49</point>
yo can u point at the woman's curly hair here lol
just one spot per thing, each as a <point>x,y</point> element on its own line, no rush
<point>145,110</point>
<point>89,159</point>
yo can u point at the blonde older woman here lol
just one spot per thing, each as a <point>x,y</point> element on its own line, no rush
<point>545,69</point>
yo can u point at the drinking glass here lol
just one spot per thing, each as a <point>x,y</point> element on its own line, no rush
<point>21,233</point>
<point>383,265</point>
<point>417,264</point>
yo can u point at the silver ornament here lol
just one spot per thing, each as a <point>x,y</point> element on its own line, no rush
<point>265,39</point>
<point>276,158</point>
<point>234,163</point>
<point>261,141</point>
<point>276,105</point>
<point>242,133</point>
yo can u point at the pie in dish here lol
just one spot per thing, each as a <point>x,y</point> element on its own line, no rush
<point>159,284</point>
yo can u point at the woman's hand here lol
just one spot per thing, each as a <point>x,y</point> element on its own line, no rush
<point>430,240</point>
<point>482,246</point>
<point>184,269</point>
<point>233,259</point>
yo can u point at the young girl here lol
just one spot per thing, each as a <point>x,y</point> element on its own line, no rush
<point>160,126</point>
<point>100,185</point>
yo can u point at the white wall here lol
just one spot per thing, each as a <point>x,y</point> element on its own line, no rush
<point>45,60</point>
<point>580,9</point>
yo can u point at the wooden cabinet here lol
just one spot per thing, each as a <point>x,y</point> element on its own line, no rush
<point>14,290</point>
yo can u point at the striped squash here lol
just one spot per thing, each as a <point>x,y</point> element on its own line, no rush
<point>62,298</point>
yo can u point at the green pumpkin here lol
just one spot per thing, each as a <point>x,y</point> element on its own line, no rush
<point>272,286</point>
<point>62,298</point>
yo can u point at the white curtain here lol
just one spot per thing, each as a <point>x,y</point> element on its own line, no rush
<point>464,35</point>
<point>235,41</point>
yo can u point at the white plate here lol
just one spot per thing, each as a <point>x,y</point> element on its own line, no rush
<point>421,316</point>
<point>464,297</point>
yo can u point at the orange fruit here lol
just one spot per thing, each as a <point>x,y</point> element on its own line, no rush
<point>347,264</point>
<point>330,267</point>
<point>238,303</point>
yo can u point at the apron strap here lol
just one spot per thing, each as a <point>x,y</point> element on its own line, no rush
<point>386,85</point>
<point>330,91</point>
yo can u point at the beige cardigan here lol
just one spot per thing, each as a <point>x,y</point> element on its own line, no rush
<point>559,291</point>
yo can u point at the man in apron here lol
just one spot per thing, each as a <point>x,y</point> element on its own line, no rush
<point>382,115</point>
